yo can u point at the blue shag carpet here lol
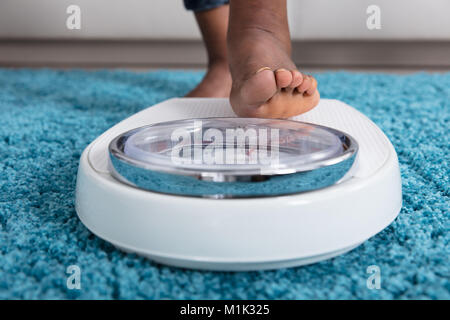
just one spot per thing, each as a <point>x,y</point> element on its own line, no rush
<point>48,117</point>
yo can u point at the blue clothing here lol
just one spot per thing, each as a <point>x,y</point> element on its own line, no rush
<point>201,5</point>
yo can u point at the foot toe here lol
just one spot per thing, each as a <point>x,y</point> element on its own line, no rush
<point>305,85</point>
<point>283,78</point>
<point>297,79</point>
<point>313,86</point>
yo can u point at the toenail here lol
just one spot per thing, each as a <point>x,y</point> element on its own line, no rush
<point>262,69</point>
<point>281,69</point>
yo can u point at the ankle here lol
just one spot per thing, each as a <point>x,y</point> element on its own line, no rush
<point>219,63</point>
<point>258,36</point>
<point>258,18</point>
<point>218,71</point>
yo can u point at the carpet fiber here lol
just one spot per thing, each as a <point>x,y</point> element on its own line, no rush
<point>49,117</point>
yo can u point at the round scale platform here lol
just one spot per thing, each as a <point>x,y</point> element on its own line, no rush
<point>333,184</point>
<point>231,157</point>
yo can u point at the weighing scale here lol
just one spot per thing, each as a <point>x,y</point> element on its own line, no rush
<point>187,183</point>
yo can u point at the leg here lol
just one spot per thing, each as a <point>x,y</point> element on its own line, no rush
<point>213,25</point>
<point>266,83</point>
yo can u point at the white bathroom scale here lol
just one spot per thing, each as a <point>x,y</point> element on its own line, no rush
<point>186,183</point>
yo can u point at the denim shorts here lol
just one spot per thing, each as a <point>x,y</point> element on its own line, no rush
<point>200,5</point>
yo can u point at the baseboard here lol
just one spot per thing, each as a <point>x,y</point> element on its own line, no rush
<point>329,54</point>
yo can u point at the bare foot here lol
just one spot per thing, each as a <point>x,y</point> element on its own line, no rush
<point>266,83</point>
<point>215,84</point>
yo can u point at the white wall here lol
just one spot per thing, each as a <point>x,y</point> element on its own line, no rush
<point>346,19</point>
<point>111,19</point>
<point>167,19</point>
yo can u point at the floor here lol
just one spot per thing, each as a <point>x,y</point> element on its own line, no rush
<point>50,116</point>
